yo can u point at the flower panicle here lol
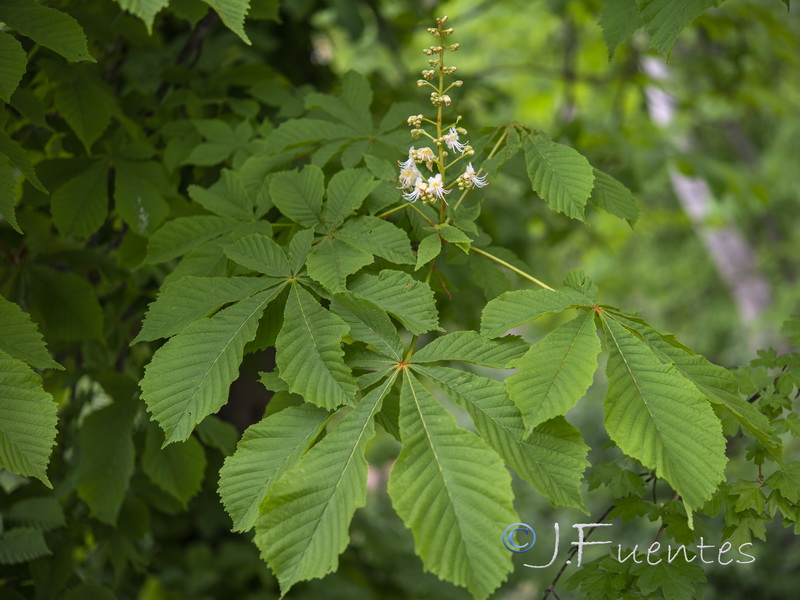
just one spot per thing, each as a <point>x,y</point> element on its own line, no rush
<point>446,140</point>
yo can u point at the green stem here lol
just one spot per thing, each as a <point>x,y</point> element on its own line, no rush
<point>392,210</point>
<point>503,263</point>
<point>442,168</point>
<point>422,214</point>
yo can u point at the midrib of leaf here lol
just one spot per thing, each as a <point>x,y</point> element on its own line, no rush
<point>387,384</point>
<point>428,437</point>
<point>567,355</point>
<point>191,398</point>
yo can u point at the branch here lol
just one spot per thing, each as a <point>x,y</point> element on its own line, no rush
<point>551,588</point>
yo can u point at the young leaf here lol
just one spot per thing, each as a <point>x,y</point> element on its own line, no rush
<point>259,253</point>
<point>659,418</point>
<point>471,347</point>
<point>191,298</point>
<point>613,197</point>
<point>305,517</point>
<point>13,62</point>
<point>107,459</point>
<point>298,195</point>
<point>266,451</point>
<point>21,338</point>
<point>452,491</point>
<point>368,324</point>
<point>556,372</point>
<point>178,469</point>
<point>552,457</point>
<point>47,27</point>
<point>27,420</point>
<point>398,293</point>
<point>512,309</point>
<point>618,19</point>
<point>80,206</point>
<point>429,248</point>
<point>146,10</point>
<point>232,13</point>
<point>346,191</point>
<point>664,20</point>
<point>309,353</point>
<point>559,174</point>
<point>189,376</point>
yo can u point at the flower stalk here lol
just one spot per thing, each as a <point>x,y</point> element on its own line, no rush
<point>434,186</point>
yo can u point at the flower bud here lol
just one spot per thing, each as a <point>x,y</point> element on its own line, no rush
<point>454,47</point>
<point>446,100</point>
<point>421,82</point>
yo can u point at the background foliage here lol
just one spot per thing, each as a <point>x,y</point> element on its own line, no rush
<point>217,174</point>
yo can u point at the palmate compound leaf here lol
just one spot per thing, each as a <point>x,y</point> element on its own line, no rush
<point>368,324</point>
<point>232,13</point>
<point>177,469</point>
<point>146,10</point>
<point>21,338</point>
<point>452,491</point>
<point>351,247</point>
<point>716,383</point>
<point>346,192</point>
<point>333,260</point>
<point>304,519</point>
<point>27,420</point>
<point>659,418</point>
<point>189,376</point>
<point>21,545</point>
<point>47,27</point>
<point>107,459</point>
<point>13,61</point>
<point>260,253</point>
<point>80,206</point>
<point>298,194</point>
<point>664,20</point>
<point>309,352</point>
<point>556,372</point>
<point>399,294</point>
<point>618,20</point>
<point>179,236</point>
<point>512,309</point>
<point>613,197</point>
<point>552,457</point>
<point>559,174</point>
<point>472,347</point>
<point>181,303</point>
<point>266,451</point>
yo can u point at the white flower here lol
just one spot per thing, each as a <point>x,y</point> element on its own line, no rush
<point>451,140</point>
<point>436,187</point>
<point>420,188</point>
<point>427,156</point>
<point>411,162</point>
<point>409,175</point>
<point>470,176</point>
